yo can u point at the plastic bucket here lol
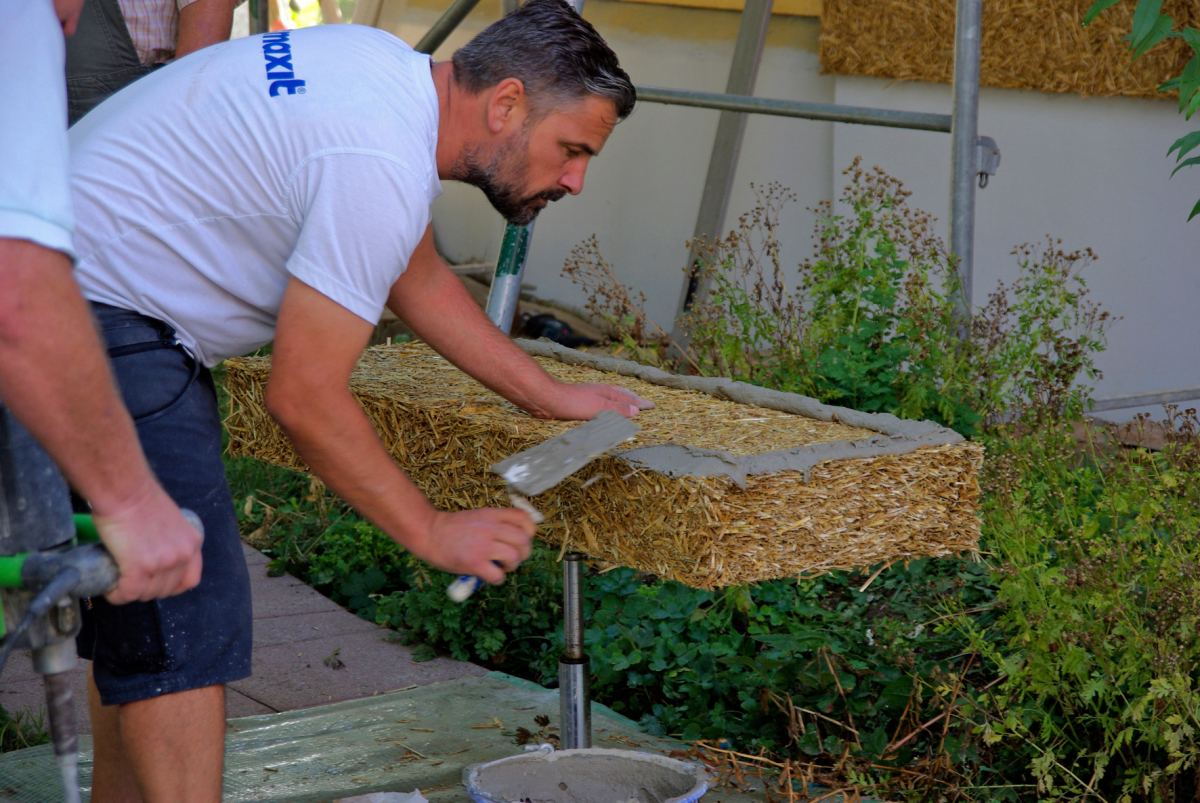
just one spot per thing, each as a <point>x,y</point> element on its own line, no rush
<point>594,775</point>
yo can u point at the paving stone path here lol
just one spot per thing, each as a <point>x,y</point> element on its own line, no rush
<point>295,631</point>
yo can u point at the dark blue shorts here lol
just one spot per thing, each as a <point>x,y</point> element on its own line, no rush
<point>202,637</point>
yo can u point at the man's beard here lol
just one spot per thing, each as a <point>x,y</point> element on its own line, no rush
<point>500,177</point>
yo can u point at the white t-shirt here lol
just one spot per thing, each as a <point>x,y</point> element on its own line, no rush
<point>34,202</point>
<point>202,187</point>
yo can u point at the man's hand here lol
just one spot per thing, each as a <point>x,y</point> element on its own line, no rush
<point>583,401</point>
<point>157,551</point>
<point>469,542</point>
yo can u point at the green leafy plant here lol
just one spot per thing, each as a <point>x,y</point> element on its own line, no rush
<point>824,669</point>
<point>1150,28</point>
<point>750,324</point>
<point>1034,343</point>
<point>881,290</point>
<point>844,665</point>
<point>508,627</point>
<point>870,321</point>
<point>1097,565</point>
<point>619,309</point>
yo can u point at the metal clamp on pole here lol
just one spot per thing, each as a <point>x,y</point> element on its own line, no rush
<point>987,159</point>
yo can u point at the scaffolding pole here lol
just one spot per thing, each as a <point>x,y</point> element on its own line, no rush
<point>727,147</point>
<point>964,149</point>
<point>831,112</point>
<point>455,14</point>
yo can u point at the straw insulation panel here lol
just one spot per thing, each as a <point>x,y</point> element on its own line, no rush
<point>1027,44</point>
<point>726,483</point>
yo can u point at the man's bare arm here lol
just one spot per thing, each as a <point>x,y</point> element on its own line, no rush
<point>203,23</point>
<point>436,305</point>
<point>317,343</point>
<point>55,379</point>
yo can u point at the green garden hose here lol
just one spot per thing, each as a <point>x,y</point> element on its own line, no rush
<point>11,565</point>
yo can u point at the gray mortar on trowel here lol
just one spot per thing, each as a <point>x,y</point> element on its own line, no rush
<point>896,436</point>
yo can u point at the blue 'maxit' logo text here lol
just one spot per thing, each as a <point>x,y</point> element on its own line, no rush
<point>278,53</point>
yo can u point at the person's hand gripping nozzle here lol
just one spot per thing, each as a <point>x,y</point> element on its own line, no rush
<point>45,587</point>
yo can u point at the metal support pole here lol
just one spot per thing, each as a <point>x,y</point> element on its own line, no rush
<point>727,145</point>
<point>54,663</point>
<point>831,112</point>
<point>964,133</point>
<point>575,705</point>
<point>445,25</point>
<point>510,265</point>
<point>506,282</point>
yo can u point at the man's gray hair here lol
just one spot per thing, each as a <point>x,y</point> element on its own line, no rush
<point>554,52</point>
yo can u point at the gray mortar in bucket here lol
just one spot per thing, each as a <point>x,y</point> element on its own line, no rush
<point>593,775</point>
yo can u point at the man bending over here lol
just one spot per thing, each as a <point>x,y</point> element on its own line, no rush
<point>278,188</point>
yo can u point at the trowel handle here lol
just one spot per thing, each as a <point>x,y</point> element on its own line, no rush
<point>462,588</point>
<point>466,585</point>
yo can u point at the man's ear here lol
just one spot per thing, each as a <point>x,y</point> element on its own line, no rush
<point>506,105</point>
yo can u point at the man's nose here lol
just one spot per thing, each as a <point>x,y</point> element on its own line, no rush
<point>572,178</point>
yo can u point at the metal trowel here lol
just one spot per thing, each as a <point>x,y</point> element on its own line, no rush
<point>540,468</point>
